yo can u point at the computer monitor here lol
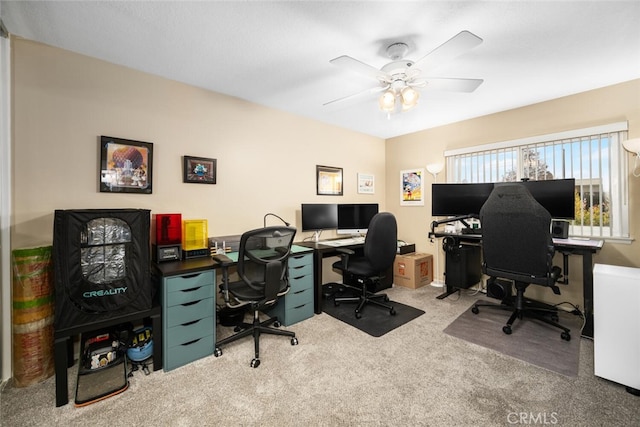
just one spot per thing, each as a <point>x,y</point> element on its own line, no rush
<point>354,218</point>
<point>458,199</point>
<point>319,216</point>
<point>558,196</point>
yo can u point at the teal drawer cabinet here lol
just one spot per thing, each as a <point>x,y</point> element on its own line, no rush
<point>188,317</point>
<point>297,304</point>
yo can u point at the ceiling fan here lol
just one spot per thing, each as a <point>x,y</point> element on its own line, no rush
<point>400,79</point>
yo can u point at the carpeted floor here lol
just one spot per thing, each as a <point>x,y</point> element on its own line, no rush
<point>414,375</point>
<point>531,341</point>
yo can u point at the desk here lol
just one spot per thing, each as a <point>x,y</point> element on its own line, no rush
<point>320,252</point>
<point>584,247</point>
<point>63,345</point>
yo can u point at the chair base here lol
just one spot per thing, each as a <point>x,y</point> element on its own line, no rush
<point>363,298</point>
<point>256,329</point>
<point>527,308</point>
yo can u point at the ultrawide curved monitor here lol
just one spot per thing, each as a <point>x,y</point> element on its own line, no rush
<point>459,199</point>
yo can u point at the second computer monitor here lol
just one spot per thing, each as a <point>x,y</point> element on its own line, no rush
<point>354,218</point>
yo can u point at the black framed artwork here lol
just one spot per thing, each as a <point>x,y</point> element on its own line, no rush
<point>328,181</point>
<point>125,166</point>
<point>199,170</point>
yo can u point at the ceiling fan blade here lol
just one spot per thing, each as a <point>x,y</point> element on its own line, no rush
<point>454,85</point>
<point>452,48</point>
<point>357,94</point>
<point>360,67</point>
<point>417,83</point>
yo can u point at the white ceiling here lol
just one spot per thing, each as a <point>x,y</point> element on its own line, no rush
<point>276,53</point>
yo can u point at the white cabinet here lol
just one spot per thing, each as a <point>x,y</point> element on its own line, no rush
<point>616,317</point>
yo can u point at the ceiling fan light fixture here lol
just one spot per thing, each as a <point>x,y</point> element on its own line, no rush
<point>410,98</point>
<point>388,101</point>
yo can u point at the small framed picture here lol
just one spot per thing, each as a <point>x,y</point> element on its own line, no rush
<point>125,166</point>
<point>328,181</point>
<point>412,187</point>
<point>366,183</point>
<point>199,170</point>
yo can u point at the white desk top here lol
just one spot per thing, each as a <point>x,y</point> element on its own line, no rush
<point>579,242</point>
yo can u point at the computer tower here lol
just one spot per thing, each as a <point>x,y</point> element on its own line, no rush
<point>462,266</point>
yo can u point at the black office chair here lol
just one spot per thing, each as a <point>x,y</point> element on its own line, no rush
<point>517,246</point>
<point>380,248</point>
<point>262,267</point>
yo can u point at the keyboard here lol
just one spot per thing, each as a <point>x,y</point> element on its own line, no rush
<point>343,242</point>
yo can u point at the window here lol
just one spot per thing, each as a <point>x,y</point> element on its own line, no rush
<point>594,157</point>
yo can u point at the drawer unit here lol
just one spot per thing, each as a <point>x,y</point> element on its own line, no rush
<point>297,304</point>
<point>188,317</point>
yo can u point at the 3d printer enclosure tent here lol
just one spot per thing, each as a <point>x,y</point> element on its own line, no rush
<point>101,264</point>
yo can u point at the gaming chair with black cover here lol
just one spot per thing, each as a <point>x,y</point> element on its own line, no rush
<point>262,267</point>
<point>517,246</point>
<point>380,247</point>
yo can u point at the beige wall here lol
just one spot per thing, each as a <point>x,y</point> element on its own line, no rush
<point>602,106</point>
<point>63,102</point>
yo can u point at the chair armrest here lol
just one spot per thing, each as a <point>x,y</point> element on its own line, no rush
<point>344,256</point>
<point>282,250</point>
<point>223,260</point>
<point>345,251</point>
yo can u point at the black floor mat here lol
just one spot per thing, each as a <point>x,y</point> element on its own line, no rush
<point>376,321</point>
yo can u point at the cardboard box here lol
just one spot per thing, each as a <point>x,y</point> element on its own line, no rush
<point>413,270</point>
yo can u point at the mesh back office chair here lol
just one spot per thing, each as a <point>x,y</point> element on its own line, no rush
<point>380,248</point>
<point>262,267</point>
<point>517,246</point>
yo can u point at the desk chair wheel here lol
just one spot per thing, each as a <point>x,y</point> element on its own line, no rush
<point>507,329</point>
<point>217,352</point>
<point>392,311</point>
<point>255,363</point>
<point>277,324</point>
<point>475,310</point>
<point>565,336</point>
<point>294,341</point>
<point>358,315</point>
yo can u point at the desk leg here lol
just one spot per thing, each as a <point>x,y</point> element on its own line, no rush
<point>449,290</point>
<point>587,290</point>
<point>317,282</point>
<point>156,325</point>
<point>61,364</point>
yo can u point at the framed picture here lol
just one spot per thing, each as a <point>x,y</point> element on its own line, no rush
<point>125,166</point>
<point>328,181</point>
<point>199,170</point>
<point>412,187</point>
<point>366,183</point>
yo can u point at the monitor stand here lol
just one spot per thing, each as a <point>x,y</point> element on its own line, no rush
<point>316,236</point>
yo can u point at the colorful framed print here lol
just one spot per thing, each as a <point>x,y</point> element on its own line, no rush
<point>125,166</point>
<point>412,187</point>
<point>199,170</point>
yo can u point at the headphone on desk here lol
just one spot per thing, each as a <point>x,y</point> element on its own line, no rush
<point>449,244</point>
